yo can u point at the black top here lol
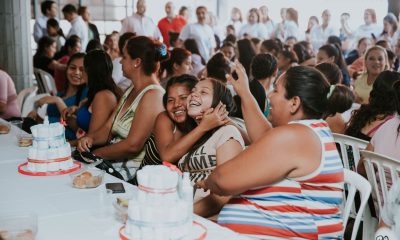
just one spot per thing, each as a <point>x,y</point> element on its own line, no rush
<point>42,62</point>
<point>258,91</point>
<point>95,32</point>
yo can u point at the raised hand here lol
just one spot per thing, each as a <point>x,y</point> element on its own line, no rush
<point>241,85</point>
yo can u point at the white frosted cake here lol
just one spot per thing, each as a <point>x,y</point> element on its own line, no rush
<point>49,152</point>
<point>163,207</point>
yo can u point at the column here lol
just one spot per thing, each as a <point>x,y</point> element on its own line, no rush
<point>15,41</point>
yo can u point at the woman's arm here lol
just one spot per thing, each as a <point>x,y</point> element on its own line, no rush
<point>212,204</point>
<point>256,123</point>
<point>287,151</point>
<point>172,147</point>
<point>103,105</point>
<point>59,102</point>
<point>142,125</point>
<point>56,65</point>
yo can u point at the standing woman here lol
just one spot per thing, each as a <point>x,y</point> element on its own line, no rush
<point>133,120</point>
<point>253,28</point>
<point>236,20</point>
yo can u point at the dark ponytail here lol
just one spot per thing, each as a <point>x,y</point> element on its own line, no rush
<point>151,52</point>
<point>313,89</point>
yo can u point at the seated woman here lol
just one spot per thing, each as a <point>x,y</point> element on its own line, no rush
<point>375,62</point>
<point>9,107</point>
<point>386,139</point>
<point>179,63</point>
<point>381,107</point>
<point>43,58</point>
<point>132,122</point>
<point>75,91</point>
<point>336,121</point>
<point>291,177</point>
<point>72,46</point>
<point>215,147</point>
<point>174,131</point>
<point>333,54</point>
<point>103,95</point>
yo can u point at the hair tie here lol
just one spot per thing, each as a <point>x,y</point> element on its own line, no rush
<point>162,49</point>
<point>331,89</point>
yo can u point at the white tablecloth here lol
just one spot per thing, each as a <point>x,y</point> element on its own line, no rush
<point>64,212</point>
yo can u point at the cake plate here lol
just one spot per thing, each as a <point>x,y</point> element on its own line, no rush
<point>22,168</point>
<point>198,232</point>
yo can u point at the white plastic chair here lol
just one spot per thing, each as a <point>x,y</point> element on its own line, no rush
<point>355,182</point>
<point>356,145</point>
<point>23,94</point>
<point>45,82</point>
<point>380,168</point>
<point>29,103</point>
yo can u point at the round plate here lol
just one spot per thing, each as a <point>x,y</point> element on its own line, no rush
<point>198,230</point>
<point>23,170</point>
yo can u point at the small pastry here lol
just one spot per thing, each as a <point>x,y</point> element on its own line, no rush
<point>4,129</point>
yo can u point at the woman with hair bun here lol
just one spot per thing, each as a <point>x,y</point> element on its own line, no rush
<point>132,122</point>
<point>291,177</point>
<point>178,64</point>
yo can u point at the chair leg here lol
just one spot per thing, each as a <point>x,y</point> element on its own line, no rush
<point>369,224</point>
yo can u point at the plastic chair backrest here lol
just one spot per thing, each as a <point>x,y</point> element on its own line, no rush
<point>23,94</point>
<point>380,169</point>
<point>29,104</point>
<point>355,182</point>
<point>45,81</point>
<point>356,145</point>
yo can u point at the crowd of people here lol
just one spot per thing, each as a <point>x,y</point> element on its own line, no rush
<point>249,113</point>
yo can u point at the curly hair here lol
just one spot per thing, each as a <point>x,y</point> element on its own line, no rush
<point>381,104</point>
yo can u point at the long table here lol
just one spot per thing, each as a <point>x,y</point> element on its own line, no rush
<point>65,212</point>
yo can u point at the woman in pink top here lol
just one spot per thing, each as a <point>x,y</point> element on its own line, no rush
<point>8,97</point>
<point>386,140</point>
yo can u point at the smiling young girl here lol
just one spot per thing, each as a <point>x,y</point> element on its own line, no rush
<point>215,147</point>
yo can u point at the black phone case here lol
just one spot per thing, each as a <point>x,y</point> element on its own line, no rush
<point>115,187</point>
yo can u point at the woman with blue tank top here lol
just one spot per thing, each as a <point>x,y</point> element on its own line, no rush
<point>291,177</point>
<point>75,91</point>
<point>103,95</point>
<point>121,139</point>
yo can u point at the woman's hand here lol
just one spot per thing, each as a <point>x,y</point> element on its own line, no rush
<point>68,112</point>
<point>85,144</point>
<point>202,184</point>
<point>241,85</point>
<point>213,118</point>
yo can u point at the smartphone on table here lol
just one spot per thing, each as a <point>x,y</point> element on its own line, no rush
<point>115,187</point>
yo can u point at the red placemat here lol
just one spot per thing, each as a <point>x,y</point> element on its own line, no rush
<point>22,169</point>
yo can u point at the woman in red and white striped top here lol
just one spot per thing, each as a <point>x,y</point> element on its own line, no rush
<point>289,182</point>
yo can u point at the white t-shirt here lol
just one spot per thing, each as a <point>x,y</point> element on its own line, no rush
<point>142,26</point>
<point>386,139</point>
<point>319,35</point>
<point>40,28</point>
<point>80,28</point>
<point>367,31</point>
<point>203,35</point>
<point>256,30</point>
<point>118,77</point>
<point>204,160</point>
